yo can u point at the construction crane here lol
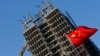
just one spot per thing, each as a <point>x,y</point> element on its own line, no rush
<point>23,50</point>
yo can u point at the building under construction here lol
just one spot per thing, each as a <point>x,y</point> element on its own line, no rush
<point>45,34</point>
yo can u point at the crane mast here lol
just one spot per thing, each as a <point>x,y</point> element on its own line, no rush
<point>23,50</point>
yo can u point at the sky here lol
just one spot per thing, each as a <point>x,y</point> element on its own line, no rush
<point>83,12</point>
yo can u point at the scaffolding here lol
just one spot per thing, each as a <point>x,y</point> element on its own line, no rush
<point>46,35</point>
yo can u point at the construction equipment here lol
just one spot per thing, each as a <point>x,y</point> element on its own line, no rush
<point>23,50</point>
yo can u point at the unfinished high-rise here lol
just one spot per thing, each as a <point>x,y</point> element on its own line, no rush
<point>45,34</point>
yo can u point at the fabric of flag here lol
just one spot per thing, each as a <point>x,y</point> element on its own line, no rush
<point>80,35</point>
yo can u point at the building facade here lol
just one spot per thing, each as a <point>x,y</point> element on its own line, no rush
<point>46,35</point>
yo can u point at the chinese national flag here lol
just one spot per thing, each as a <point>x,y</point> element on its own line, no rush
<point>80,35</point>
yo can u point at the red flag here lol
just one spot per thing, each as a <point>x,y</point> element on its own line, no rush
<point>80,35</point>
